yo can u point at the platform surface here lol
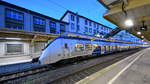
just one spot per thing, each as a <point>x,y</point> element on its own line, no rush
<point>14,60</point>
<point>134,69</point>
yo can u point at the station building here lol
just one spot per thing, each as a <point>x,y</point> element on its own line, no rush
<point>84,26</point>
<point>25,33</point>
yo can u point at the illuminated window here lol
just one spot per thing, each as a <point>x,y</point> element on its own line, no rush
<point>88,47</point>
<point>95,46</point>
<point>79,47</point>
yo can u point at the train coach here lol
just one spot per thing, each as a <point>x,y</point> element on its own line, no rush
<point>70,47</point>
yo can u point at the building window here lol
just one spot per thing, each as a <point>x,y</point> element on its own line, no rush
<point>62,28</point>
<point>94,31</point>
<point>86,22</point>
<point>52,27</point>
<point>78,19</point>
<point>86,29</point>
<point>78,28</point>
<point>72,17</point>
<point>102,27</point>
<point>14,19</point>
<point>14,48</point>
<point>39,21</point>
<point>95,25</point>
<point>97,30</point>
<point>90,30</point>
<point>39,24</point>
<point>72,26</point>
<point>14,15</point>
<point>90,23</point>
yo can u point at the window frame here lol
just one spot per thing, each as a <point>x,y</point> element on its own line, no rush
<point>72,26</point>
<point>86,22</point>
<point>72,17</point>
<point>39,27</point>
<point>11,23</point>
<point>14,53</point>
<point>62,25</point>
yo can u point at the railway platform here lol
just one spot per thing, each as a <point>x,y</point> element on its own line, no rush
<point>14,60</point>
<point>12,64</point>
<point>131,70</point>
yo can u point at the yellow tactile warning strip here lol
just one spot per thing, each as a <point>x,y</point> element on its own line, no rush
<point>99,73</point>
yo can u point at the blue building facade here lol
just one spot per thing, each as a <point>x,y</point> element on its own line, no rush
<point>81,25</point>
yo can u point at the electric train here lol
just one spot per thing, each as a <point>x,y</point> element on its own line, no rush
<point>70,47</point>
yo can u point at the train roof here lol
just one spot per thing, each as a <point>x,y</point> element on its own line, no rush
<point>88,39</point>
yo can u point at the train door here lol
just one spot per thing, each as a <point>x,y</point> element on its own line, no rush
<point>116,48</point>
<point>107,48</point>
<point>66,50</point>
<point>102,49</point>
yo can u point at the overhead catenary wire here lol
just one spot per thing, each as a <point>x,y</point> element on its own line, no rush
<point>58,4</point>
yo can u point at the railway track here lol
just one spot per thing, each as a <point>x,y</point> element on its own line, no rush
<point>77,76</point>
<point>17,77</point>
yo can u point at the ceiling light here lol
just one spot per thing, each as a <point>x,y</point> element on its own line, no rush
<point>129,23</point>
<point>13,38</point>
<point>142,36</point>
<point>139,33</point>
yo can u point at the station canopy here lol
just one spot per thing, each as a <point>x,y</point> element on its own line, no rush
<point>130,15</point>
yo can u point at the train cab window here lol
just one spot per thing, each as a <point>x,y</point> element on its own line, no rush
<point>79,47</point>
<point>66,45</point>
<point>88,47</point>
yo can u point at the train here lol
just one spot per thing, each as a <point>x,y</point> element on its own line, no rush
<point>65,47</point>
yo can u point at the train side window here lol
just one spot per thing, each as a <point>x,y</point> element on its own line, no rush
<point>95,46</point>
<point>66,45</point>
<point>79,47</point>
<point>88,47</point>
